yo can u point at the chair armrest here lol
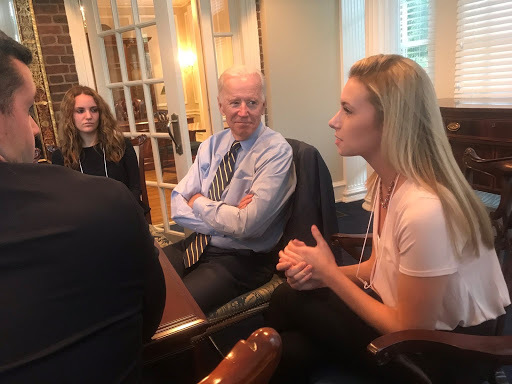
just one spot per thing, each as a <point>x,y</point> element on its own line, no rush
<point>251,361</point>
<point>351,242</point>
<point>493,349</point>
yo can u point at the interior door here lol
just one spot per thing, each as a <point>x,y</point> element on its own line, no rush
<point>152,80</point>
<point>158,60</point>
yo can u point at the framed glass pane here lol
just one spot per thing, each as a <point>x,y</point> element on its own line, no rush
<point>152,52</point>
<point>146,10</point>
<point>160,111</point>
<point>114,67</point>
<point>139,108</point>
<point>220,16</point>
<point>124,10</point>
<point>160,102</point>
<point>223,53</point>
<point>132,56</point>
<point>120,111</point>
<point>166,152</point>
<point>105,12</point>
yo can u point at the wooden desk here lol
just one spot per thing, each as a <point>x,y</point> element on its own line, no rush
<point>484,125</point>
<point>182,318</point>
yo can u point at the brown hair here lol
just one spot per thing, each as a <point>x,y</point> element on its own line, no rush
<point>109,136</point>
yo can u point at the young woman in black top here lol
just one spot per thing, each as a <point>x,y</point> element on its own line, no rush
<point>92,143</point>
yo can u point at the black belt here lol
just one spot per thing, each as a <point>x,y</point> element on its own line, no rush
<point>222,251</point>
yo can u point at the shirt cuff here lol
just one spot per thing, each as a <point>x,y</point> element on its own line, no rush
<point>200,205</point>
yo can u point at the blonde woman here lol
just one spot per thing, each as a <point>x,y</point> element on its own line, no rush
<point>433,264</point>
<point>91,142</point>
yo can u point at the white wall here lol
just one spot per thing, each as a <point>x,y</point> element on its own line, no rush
<point>8,19</point>
<point>444,47</point>
<point>301,50</point>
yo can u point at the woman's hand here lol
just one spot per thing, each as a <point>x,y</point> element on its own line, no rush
<point>306,267</point>
<point>298,274</point>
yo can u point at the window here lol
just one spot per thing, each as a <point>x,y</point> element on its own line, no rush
<point>222,34</point>
<point>416,28</point>
<point>483,63</point>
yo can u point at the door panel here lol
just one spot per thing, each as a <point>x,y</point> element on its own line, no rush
<point>141,79</point>
<point>155,58</point>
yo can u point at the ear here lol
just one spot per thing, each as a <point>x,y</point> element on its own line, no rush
<point>221,105</point>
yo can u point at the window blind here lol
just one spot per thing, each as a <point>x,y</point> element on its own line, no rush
<point>483,62</point>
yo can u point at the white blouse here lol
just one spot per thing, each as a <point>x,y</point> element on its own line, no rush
<point>415,241</point>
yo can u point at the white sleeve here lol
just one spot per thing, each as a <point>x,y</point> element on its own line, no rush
<point>423,241</point>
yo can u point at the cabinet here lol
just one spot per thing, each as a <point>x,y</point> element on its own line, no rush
<point>484,125</point>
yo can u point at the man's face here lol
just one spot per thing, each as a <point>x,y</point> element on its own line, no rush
<point>241,100</point>
<point>17,128</point>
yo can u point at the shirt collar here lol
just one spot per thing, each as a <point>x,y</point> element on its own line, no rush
<point>247,144</point>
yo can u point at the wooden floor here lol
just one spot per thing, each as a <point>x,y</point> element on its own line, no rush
<point>169,176</point>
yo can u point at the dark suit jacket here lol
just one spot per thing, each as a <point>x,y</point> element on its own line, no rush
<point>313,200</point>
<point>80,284</point>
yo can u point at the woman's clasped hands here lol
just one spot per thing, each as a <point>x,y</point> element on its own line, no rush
<point>307,267</point>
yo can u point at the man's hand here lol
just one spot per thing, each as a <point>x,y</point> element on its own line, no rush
<point>245,201</point>
<point>192,199</point>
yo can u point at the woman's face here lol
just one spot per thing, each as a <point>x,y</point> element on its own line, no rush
<point>357,131</point>
<point>86,115</point>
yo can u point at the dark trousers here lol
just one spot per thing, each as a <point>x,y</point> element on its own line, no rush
<point>221,274</point>
<point>319,330</point>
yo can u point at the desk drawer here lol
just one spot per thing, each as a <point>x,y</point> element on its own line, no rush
<point>500,129</point>
<point>463,127</point>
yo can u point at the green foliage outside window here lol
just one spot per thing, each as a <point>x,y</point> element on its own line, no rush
<point>414,30</point>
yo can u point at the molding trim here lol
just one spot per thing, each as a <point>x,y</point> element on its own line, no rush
<point>79,43</point>
<point>339,188</point>
<point>43,107</point>
<point>354,193</point>
<point>345,194</point>
<point>353,34</point>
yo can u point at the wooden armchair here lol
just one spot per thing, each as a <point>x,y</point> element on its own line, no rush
<point>141,141</point>
<point>249,362</point>
<point>500,170</point>
<point>492,352</point>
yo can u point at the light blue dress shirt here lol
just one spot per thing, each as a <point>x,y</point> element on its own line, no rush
<point>264,167</point>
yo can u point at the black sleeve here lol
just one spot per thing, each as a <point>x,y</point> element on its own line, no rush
<point>131,165</point>
<point>154,283</point>
<point>132,169</point>
<point>57,157</point>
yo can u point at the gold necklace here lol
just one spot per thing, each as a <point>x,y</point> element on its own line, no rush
<point>384,202</point>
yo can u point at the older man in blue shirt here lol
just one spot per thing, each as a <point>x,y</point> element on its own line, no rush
<point>234,197</point>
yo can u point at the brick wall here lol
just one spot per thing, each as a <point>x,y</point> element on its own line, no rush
<point>52,26</point>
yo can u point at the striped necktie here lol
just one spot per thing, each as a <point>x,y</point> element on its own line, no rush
<point>220,181</point>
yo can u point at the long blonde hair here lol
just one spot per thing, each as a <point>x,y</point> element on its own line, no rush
<point>415,143</point>
<point>109,136</point>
